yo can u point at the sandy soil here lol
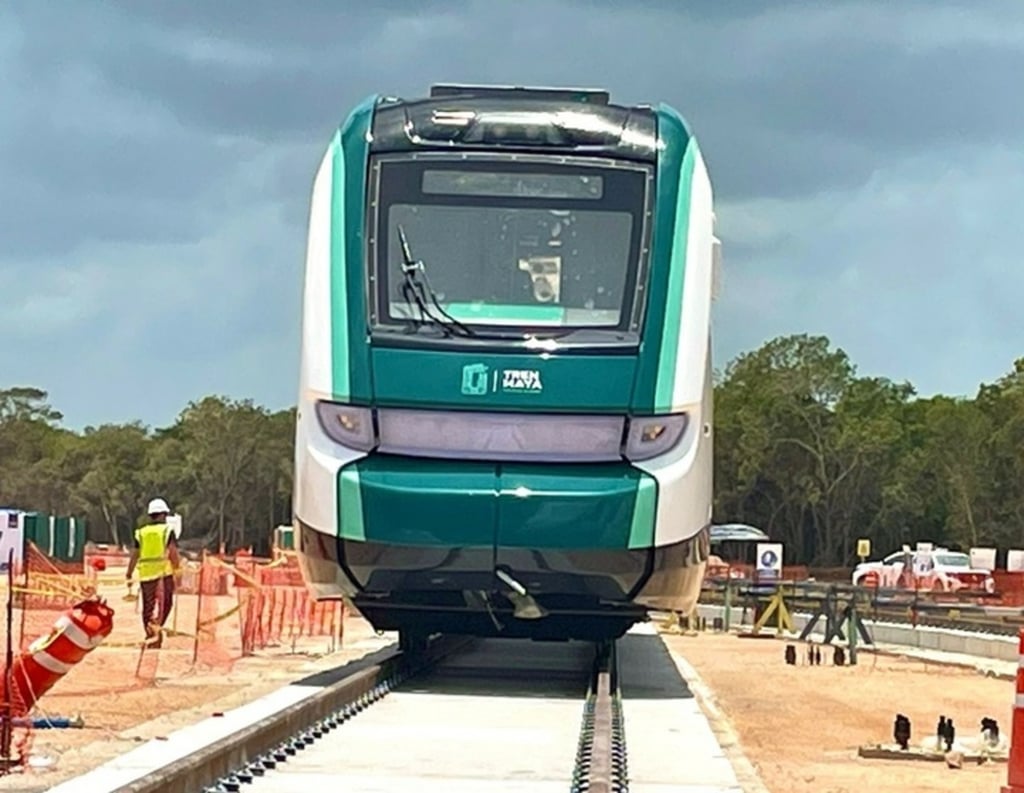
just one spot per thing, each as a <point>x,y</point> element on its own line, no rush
<point>800,726</point>
<point>124,702</point>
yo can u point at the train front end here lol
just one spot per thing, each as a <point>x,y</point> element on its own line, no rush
<point>505,414</point>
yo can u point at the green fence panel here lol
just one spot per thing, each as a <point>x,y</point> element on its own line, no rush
<point>78,535</point>
<point>37,530</point>
<point>61,538</point>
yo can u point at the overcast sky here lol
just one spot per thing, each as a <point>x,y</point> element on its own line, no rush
<point>156,161</point>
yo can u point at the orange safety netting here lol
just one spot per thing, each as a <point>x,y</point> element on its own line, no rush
<point>223,610</point>
<point>275,616</point>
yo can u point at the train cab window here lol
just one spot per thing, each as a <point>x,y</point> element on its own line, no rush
<point>511,245</point>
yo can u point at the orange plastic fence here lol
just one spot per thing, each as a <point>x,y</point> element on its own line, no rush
<point>229,607</point>
<point>1010,586</point>
<point>274,616</point>
<point>224,609</point>
<point>737,570</point>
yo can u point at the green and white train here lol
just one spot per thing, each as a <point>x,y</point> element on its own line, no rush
<point>505,407</point>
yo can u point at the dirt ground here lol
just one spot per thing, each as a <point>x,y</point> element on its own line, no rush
<point>800,726</point>
<point>124,703</point>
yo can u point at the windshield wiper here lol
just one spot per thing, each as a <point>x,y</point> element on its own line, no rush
<point>417,289</point>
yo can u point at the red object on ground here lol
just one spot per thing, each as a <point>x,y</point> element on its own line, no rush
<point>99,564</point>
<point>1015,770</point>
<point>76,633</point>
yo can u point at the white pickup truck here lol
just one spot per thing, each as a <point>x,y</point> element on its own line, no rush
<point>928,569</point>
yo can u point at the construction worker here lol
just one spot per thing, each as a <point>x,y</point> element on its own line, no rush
<point>156,556</point>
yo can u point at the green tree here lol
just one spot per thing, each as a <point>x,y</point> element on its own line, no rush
<point>23,403</point>
<point>112,460</point>
<point>221,440</point>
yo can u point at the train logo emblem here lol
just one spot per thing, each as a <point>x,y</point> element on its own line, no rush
<point>474,379</point>
<point>520,380</point>
<point>478,380</point>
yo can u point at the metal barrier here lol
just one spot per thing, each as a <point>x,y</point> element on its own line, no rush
<point>967,611</point>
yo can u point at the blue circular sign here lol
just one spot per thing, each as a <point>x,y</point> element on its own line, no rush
<point>769,558</point>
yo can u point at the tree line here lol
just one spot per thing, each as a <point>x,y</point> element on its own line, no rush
<point>224,465</point>
<point>819,456</point>
<point>805,448</point>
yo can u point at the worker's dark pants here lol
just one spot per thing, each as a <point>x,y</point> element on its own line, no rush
<point>158,592</point>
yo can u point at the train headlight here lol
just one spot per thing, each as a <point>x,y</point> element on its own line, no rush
<point>348,425</point>
<point>650,436</point>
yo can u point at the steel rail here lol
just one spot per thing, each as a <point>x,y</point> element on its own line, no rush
<point>601,756</point>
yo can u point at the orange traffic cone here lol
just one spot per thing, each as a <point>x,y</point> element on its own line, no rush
<point>76,633</point>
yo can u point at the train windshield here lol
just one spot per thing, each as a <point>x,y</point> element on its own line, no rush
<point>510,244</point>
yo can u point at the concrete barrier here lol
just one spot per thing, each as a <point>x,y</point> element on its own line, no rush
<point>947,640</point>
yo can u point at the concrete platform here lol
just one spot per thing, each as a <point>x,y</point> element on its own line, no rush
<point>503,718</point>
<point>155,755</point>
<point>669,741</point>
<point>507,718</point>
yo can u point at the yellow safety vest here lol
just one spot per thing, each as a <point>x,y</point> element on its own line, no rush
<point>153,562</point>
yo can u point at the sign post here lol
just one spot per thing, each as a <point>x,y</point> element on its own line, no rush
<point>12,538</point>
<point>769,561</point>
<point>863,549</point>
<point>983,558</point>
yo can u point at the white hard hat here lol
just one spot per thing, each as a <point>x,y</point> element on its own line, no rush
<point>156,506</point>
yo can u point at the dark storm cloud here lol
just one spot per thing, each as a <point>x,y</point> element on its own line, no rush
<point>811,97</point>
<point>82,163</point>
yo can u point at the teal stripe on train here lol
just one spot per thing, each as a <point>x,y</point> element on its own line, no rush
<point>668,354</point>
<point>440,503</point>
<point>350,356</point>
<point>655,379</point>
<point>339,291</point>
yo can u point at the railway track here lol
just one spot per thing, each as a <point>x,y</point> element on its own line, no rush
<point>259,736</point>
<point>480,715</point>
<point>601,757</point>
<point>490,713</point>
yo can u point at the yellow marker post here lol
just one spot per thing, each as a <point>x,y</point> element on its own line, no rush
<point>863,549</point>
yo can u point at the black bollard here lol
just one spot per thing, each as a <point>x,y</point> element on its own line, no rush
<point>990,731</point>
<point>839,656</point>
<point>950,735</point>
<point>791,655</point>
<point>901,731</point>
